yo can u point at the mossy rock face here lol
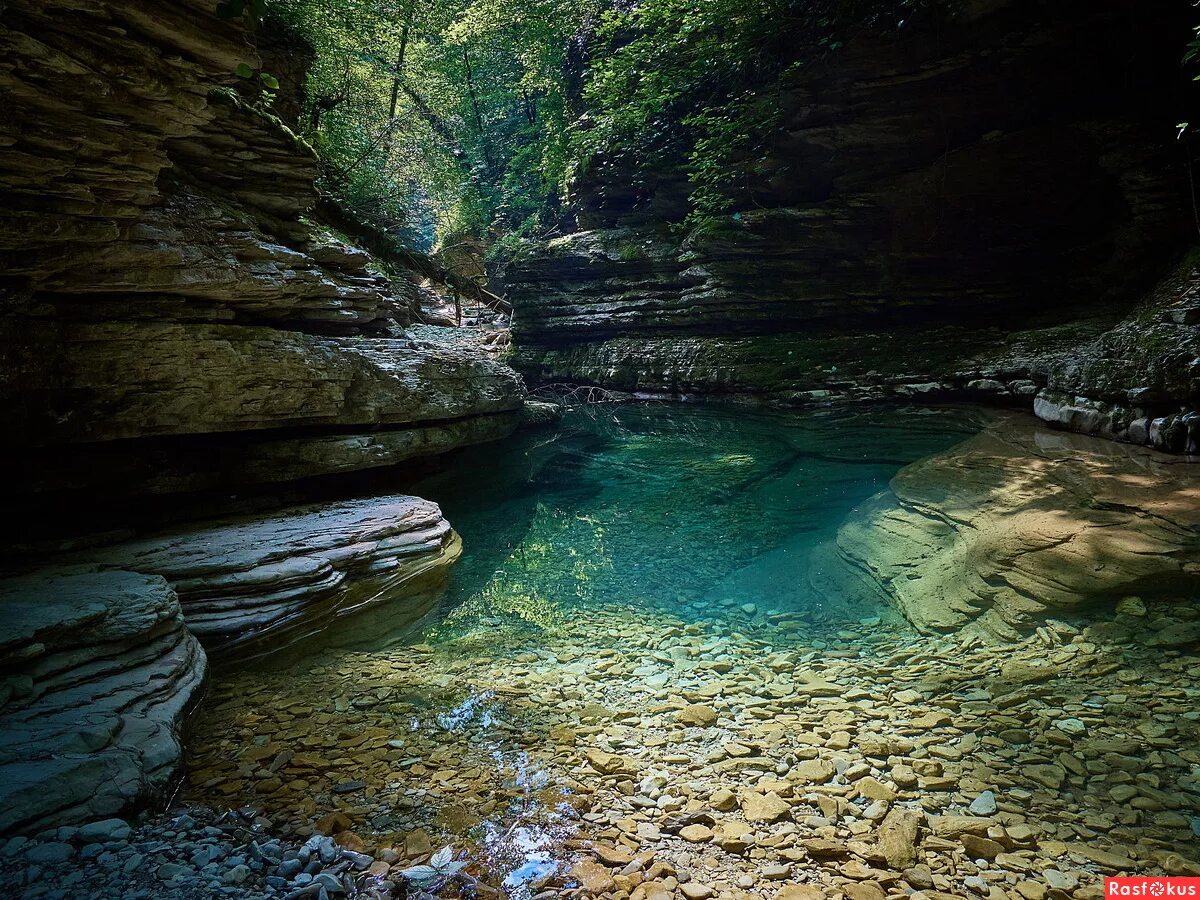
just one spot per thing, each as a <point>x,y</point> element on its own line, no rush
<point>904,237</point>
<point>1152,358</point>
<point>178,321</point>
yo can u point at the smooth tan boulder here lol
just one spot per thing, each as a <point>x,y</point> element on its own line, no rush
<point>1020,523</point>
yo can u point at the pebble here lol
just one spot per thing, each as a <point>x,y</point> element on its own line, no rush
<point>187,852</point>
<point>49,854</point>
<point>984,804</point>
<point>697,715</point>
<point>693,758</point>
<point>104,831</point>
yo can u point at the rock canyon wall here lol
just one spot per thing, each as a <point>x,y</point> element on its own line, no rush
<point>172,320</point>
<point>969,210</point>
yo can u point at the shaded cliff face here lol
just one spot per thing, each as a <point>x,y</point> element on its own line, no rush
<point>170,319</point>
<point>935,209</point>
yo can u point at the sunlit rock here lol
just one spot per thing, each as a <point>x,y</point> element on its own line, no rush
<point>1017,525</point>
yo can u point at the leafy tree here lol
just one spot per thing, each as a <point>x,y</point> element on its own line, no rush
<point>444,117</point>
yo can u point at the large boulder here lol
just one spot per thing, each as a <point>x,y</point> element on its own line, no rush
<point>1020,524</point>
<point>98,674</point>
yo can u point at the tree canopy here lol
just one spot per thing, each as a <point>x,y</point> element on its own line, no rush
<point>437,118</point>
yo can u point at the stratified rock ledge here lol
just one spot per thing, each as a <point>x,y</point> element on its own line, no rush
<point>1020,524</point>
<point>98,673</point>
<point>254,584</point>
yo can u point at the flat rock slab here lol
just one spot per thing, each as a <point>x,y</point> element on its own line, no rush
<point>99,672</point>
<point>1020,523</point>
<point>253,584</point>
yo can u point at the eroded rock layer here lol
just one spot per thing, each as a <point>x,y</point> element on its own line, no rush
<point>948,212</point>
<point>98,672</point>
<point>160,279</point>
<point>1020,524</point>
<point>253,585</point>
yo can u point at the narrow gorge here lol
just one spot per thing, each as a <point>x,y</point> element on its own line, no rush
<point>647,451</point>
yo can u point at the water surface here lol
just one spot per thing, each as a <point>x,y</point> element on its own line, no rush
<point>590,551</point>
<point>697,511</point>
<point>647,613</point>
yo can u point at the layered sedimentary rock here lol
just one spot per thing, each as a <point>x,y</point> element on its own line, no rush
<point>98,673</point>
<point>1140,381</point>
<point>100,659</point>
<point>111,381</point>
<point>1020,524</point>
<point>949,211</point>
<point>254,584</point>
<point>162,284</point>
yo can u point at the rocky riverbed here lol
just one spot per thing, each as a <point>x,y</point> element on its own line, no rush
<point>193,852</point>
<point>732,752</point>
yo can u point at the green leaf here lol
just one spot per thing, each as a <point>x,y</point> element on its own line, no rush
<point>243,70</point>
<point>269,80</point>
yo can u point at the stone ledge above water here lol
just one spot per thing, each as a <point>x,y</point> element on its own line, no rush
<point>102,659</point>
<point>255,584</point>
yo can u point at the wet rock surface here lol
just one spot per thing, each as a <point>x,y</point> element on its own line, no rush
<point>98,674</point>
<point>1019,523</point>
<point>1139,382</point>
<point>1131,379</point>
<point>863,761</point>
<point>190,853</point>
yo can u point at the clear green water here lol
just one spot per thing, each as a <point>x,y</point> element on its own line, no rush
<point>699,511</point>
<point>634,564</point>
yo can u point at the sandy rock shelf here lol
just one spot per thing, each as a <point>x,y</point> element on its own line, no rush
<point>1021,523</point>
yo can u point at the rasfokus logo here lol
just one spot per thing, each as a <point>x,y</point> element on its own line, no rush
<point>1152,888</point>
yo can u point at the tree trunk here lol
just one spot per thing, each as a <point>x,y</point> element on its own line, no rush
<point>397,74</point>
<point>487,149</point>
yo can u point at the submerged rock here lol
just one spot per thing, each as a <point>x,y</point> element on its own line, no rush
<point>1019,524</point>
<point>100,671</point>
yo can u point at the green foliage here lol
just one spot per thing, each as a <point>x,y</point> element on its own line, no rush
<point>477,143</point>
<point>696,84</point>
<point>438,117</point>
<point>237,9</point>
